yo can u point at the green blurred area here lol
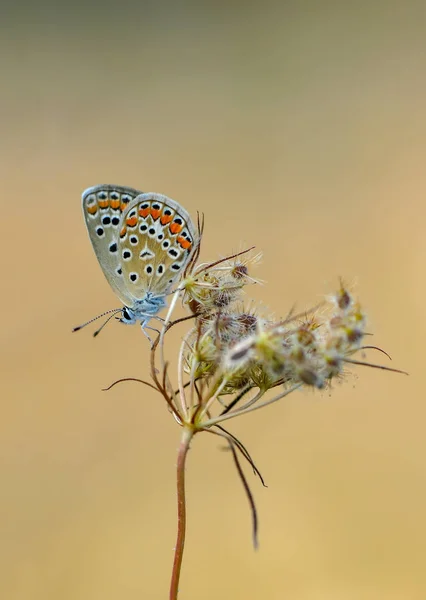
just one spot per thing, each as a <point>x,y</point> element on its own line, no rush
<point>297,127</point>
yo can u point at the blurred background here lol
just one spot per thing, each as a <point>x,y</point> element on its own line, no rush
<point>295,126</point>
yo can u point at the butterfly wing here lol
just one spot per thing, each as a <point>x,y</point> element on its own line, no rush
<point>103,206</point>
<point>157,238</point>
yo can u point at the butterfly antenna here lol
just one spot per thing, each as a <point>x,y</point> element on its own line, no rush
<point>103,324</point>
<point>113,310</point>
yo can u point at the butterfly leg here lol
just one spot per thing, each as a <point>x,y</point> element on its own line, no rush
<point>158,319</point>
<point>152,329</point>
<point>146,334</point>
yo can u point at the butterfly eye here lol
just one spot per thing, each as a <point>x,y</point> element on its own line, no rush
<point>127,255</point>
<point>115,221</point>
<point>100,232</point>
<point>126,315</point>
<point>166,244</point>
<point>106,220</point>
<point>133,277</point>
<point>134,240</point>
<point>143,228</point>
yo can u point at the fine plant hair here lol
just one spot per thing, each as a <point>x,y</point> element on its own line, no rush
<point>234,360</point>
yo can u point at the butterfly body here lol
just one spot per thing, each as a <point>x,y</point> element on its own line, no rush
<point>143,241</point>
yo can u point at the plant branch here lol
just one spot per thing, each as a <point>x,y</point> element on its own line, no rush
<point>187,435</point>
<point>242,449</point>
<point>219,419</point>
<point>232,446</point>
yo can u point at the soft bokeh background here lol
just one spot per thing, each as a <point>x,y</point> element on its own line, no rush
<point>299,127</point>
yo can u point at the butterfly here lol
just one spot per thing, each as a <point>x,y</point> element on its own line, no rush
<point>143,242</point>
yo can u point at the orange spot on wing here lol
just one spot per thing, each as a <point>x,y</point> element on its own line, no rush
<point>166,219</point>
<point>144,212</point>
<point>155,213</point>
<point>114,204</point>
<point>104,203</point>
<point>183,242</point>
<point>123,232</point>
<point>92,209</point>
<point>131,222</point>
<point>175,228</point>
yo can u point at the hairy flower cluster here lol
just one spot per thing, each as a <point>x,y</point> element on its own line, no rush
<point>232,356</point>
<point>249,352</point>
<point>214,287</point>
<point>233,351</point>
<point>213,293</point>
<point>306,349</point>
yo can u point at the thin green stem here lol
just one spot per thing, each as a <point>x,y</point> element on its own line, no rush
<point>205,409</point>
<point>187,435</point>
<point>180,378</point>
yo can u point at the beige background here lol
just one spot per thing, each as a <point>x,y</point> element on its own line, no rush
<point>298,127</point>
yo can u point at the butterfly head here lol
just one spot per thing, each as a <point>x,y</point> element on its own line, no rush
<point>143,310</point>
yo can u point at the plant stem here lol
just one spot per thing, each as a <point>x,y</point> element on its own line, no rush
<point>244,411</point>
<point>187,435</point>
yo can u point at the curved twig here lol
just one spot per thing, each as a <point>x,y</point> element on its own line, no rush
<point>244,452</point>
<point>250,498</point>
<point>130,379</point>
